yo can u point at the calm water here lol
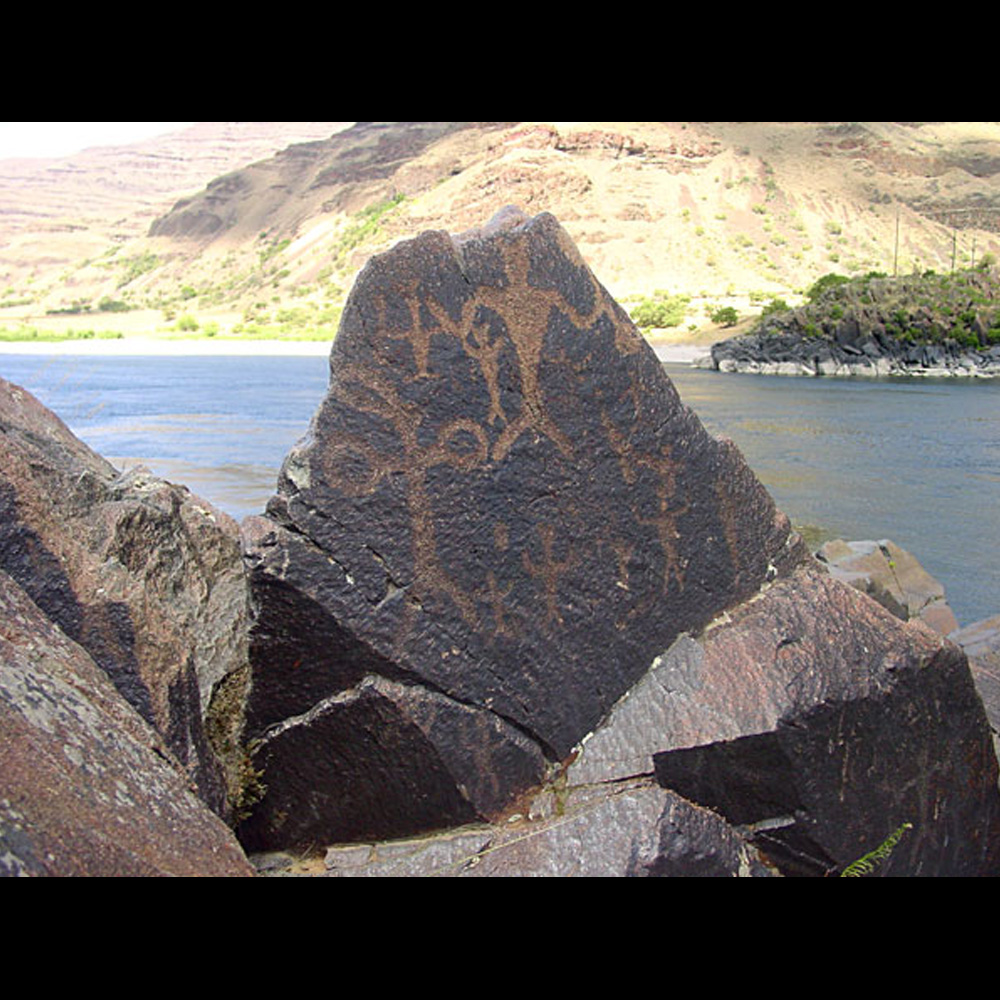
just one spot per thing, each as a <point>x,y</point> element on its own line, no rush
<point>913,460</point>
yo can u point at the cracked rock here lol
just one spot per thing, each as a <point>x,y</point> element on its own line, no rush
<point>503,508</point>
<point>818,723</point>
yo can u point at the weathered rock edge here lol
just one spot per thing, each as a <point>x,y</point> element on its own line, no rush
<point>501,514</point>
<point>87,787</point>
<point>148,578</point>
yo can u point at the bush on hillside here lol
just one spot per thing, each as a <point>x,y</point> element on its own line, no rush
<point>726,316</point>
<point>659,310</point>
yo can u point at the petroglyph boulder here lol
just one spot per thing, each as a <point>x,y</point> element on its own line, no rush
<point>502,513</point>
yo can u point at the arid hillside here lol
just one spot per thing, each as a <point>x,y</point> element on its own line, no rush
<point>728,213</point>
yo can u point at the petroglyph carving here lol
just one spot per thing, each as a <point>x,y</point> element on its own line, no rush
<point>502,498</point>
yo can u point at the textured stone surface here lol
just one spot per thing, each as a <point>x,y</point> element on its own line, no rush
<point>631,830</point>
<point>501,501</point>
<point>86,786</point>
<point>893,577</point>
<point>146,577</point>
<point>981,643</point>
<point>822,723</point>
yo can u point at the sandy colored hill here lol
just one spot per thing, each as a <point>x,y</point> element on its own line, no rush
<point>730,213</point>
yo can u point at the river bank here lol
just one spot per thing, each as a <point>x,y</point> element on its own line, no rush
<point>169,347</point>
<point>870,355</point>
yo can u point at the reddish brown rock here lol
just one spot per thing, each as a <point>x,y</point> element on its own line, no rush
<point>86,786</point>
<point>502,504</point>
<point>143,575</point>
<point>819,723</point>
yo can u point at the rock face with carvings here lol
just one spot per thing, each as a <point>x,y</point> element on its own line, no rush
<point>502,513</point>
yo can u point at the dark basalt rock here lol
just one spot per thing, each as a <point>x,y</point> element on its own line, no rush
<point>502,508</point>
<point>820,723</point>
<point>87,787</point>
<point>146,577</point>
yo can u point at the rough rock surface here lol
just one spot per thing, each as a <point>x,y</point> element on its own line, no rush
<point>632,830</point>
<point>893,577</point>
<point>820,723</point>
<point>86,786</point>
<point>809,725</point>
<point>981,644</point>
<point>501,515</point>
<point>146,577</point>
<point>849,353</point>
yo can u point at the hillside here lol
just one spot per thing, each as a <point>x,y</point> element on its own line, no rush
<point>729,213</point>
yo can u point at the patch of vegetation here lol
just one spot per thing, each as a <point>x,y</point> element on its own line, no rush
<point>725,316</point>
<point>962,308</point>
<point>136,266</point>
<point>55,336</point>
<point>110,305</point>
<point>366,224</point>
<point>75,308</point>
<point>272,250</point>
<point>660,310</point>
<point>824,284</point>
<point>775,306</point>
<point>867,863</point>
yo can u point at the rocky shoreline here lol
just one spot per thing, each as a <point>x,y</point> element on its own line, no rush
<point>849,352</point>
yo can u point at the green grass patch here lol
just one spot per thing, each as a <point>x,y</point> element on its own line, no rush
<point>366,224</point>
<point>31,333</point>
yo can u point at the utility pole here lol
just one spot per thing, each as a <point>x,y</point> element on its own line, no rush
<point>895,252</point>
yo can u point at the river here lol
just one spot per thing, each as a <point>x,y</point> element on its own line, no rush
<point>914,460</point>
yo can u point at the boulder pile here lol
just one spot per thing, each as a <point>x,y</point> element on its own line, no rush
<point>510,602</point>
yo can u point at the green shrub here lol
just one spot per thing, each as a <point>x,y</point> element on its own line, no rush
<point>775,306</point>
<point>824,284</point>
<point>660,310</point>
<point>136,266</point>
<point>110,305</point>
<point>187,323</point>
<point>726,316</point>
